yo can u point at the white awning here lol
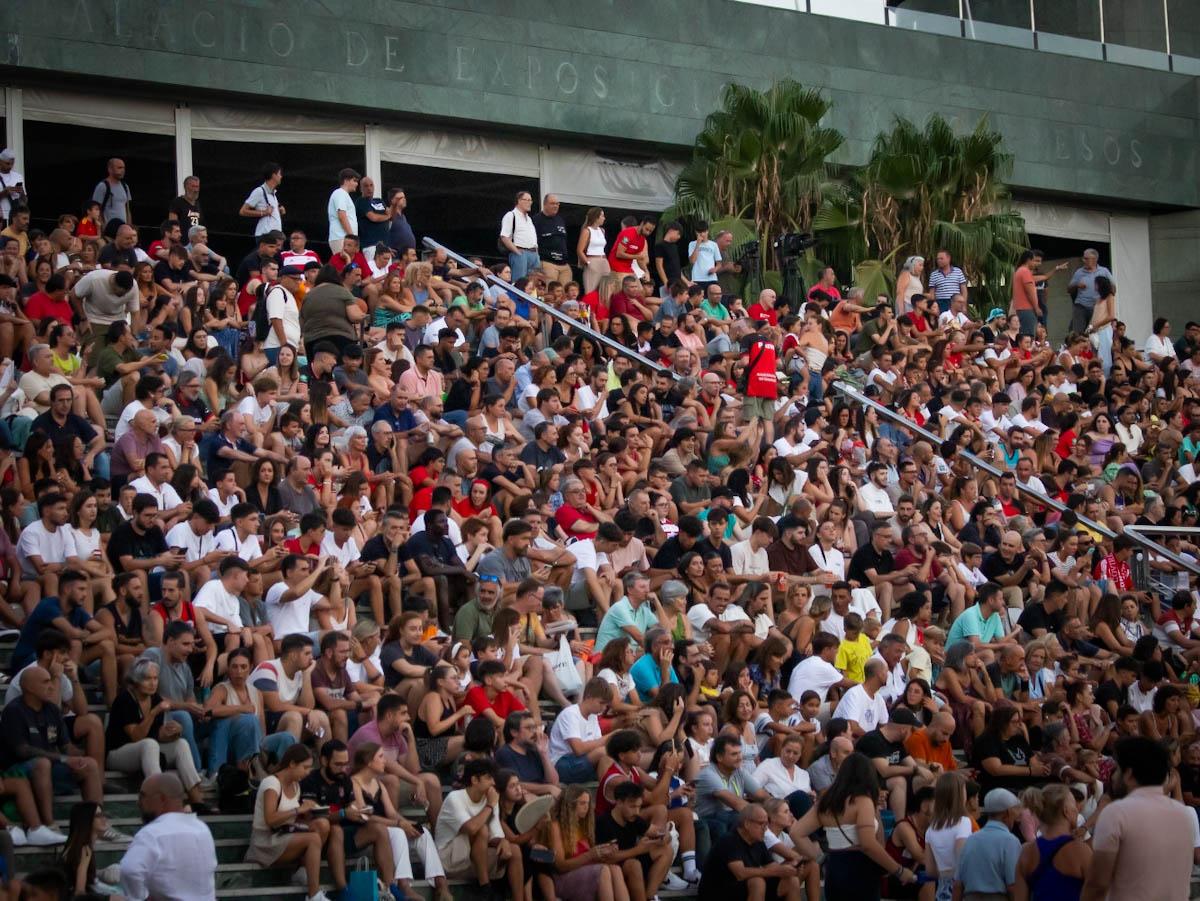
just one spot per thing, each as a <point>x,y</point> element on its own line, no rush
<point>449,149</point>
<point>219,123</point>
<point>589,178</point>
<point>1059,221</point>
<point>111,111</point>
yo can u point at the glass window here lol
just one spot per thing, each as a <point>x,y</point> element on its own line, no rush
<point>1184,28</point>
<point>1069,28</point>
<point>230,170</point>
<point>64,163</point>
<point>999,22</point>
<point>1136,32</point>
<point>926,16</point>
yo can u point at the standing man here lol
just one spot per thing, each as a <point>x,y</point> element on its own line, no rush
<point>400,233</point>
<point>116,202</point>
<point>263,203</point>
<point>1082,289</point>
<point>552,241</point>
<point>185,209</point>
<point>173,855</point>
<point>518,236</point>
<point>630,252</point>
<point>373,218</point>
<point>343,219</point>
<point>1142,849</point>
<point>283,314</point>
<point>1024,294</point>
<point>667,264</point>
<point>12,186</point>
<point>987,865</point>
<point>946,280</point>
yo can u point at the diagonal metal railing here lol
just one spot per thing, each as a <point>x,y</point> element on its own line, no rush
<point>1146,543</point>
<point>554,312</point>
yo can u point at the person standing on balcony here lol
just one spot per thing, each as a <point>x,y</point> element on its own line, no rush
<point>518,236</point>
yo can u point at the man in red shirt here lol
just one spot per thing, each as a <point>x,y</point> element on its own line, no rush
<point>629,301</point>
<point>490,699</point>
<point>764,308</point>
<point>1024,294</point>
<point>298,254</point>
<point>312,533</point>
<point>576,517</point>
<point>631,245</point>
<point>350,253</point>
<point>51,303</point>
<point>762,384</point>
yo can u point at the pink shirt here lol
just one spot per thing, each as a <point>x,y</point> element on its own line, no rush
<point>395,748</point>
<point>1151,835</point>
<point>431,385</point>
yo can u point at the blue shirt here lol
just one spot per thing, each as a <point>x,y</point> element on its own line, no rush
<point>971,622</point>
<point>647,674</point>
<point>946,286</point>
<point>403,421</point>
<point>1087,295</point>
<point>706,259</point>
<point>42,618</point>
<point>988,863</point>
<point>622,614</point>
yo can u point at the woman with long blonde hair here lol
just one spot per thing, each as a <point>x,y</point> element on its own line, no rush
<point>583,872</point>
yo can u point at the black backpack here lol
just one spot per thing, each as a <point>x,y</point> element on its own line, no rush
<point>233,790</point>
<point>262,325</point>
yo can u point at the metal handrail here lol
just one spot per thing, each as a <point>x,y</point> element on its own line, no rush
<point>1044,500</point>
<point>557,313</point>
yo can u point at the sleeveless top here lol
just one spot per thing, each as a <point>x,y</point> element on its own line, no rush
<point>815,358</point>
<point>603,805</point>
<point>1047,883</point>
<point>596,241</point>
<point>899,853</point>
<point>131,628</point>
<point>913,288</point>
<point>421,728</point>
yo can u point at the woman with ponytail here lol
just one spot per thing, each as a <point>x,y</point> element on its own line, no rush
<point>1052,867</point>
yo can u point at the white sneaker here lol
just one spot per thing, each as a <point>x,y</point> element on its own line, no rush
<point>17,834</point>
<point>116,836</point>
<point>319,896</point>
<point>44,835</point>
<point>300,878</point>
<point>674,884</point>
<point>111,874</point>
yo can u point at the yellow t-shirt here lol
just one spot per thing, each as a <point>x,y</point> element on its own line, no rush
<point>852,656</point>
<point>69,366</point>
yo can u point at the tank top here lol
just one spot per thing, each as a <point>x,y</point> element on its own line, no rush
<point>1049,884</point>
<point>815,357</point>
<point>596,241</point>
<point>913,288</point>
<point>603,805</point>
<point>131,628</point>
<point>421,728</point>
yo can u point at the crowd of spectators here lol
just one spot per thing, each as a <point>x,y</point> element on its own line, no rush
<point>361,543</point>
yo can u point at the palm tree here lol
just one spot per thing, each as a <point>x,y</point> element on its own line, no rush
<point>924,190</point>
<point>762,157</point>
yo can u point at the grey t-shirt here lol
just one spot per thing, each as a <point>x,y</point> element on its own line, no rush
<point>300,502</point>
<point>710,780</point>
<point>821,773</point>
<point>119,196</point>
<point>175,682</point>
<point>102,305</point>
<point>496,563</point>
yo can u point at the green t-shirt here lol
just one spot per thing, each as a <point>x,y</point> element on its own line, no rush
<point>109,360</point>
<point>870,327</point>
<point>714,311</point>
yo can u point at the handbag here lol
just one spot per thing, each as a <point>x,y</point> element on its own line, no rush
<point>363,884</point>
<point>564,668</point>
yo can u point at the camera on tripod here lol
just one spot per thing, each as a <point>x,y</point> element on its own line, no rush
<point>747,253</point>
<point>792,244</point>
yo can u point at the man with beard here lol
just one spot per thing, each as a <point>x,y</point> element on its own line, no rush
<point>173,855</point>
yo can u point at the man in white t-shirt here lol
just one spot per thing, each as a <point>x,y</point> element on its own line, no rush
<point>343,219</point>
<point>242,540</point>
<point>148,394</point>
<point>863,706</point>
<point>465,852</point>
<point>283,313</point>
<point>749,557</point>
<point>195,536</point>
<point>873,496</point>
<point>12,185</point>
<point>724,625</point>
<point>219,600</point>
<point>258,412</point>
<point>290,603</point>
<point>156,484</point>
<point>817,672</point>
<point>46,542</point>
<point>576,743</point>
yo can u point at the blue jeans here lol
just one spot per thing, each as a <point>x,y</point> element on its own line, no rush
<point>574,769</point>
<point>816,387</point>
<point>101,468</point>
<point>522,262</point>
<point>229,340</point>
<point>719,822</point>
<point>1029,321</point>
<point>188,725</point>
<point>272,354</point>
<point>242,735</point>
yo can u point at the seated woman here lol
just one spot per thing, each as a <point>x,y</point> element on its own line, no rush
<point>239,721</point>
<point>285,830</point>
<point>391,853</point>
<point>138,733</point>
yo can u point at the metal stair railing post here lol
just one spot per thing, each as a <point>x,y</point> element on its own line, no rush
<point>1147,544</point>
<point>558,314</point>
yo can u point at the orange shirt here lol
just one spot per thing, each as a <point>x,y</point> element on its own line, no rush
<point>923,750</point>
<point>1022,287</point>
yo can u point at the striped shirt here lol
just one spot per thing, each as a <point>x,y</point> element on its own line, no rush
<point>944,286</point>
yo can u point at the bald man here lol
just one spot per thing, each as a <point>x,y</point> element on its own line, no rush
<point>824,769</point>
<point>173,855</point>
<point>932,744</point>
<point>38,747</point>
